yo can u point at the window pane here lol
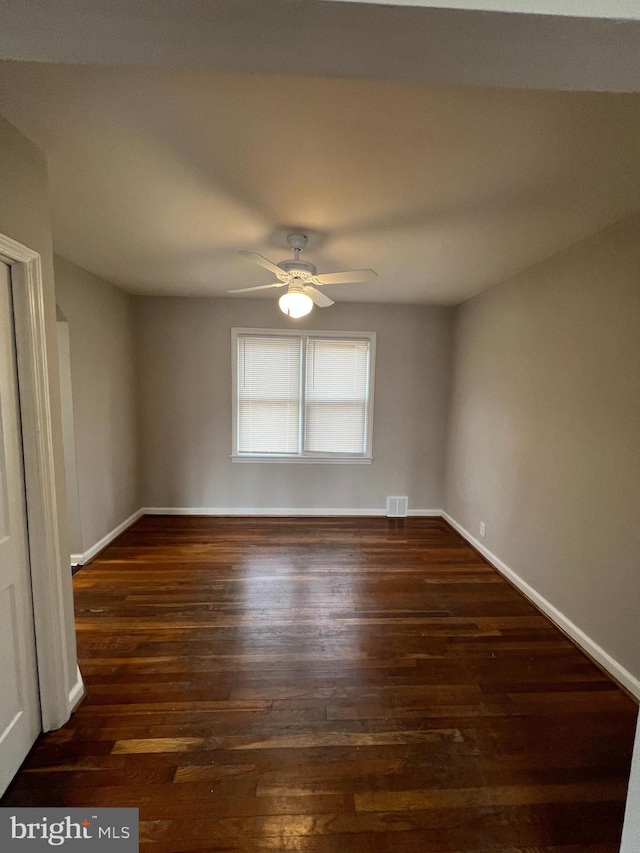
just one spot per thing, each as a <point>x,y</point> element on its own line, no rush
<point>337,386</point>
<point>268,394</point>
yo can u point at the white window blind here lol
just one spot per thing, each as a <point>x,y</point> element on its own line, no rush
<point>337,374</point>
<point>303,396</point>
<point>268,391</point>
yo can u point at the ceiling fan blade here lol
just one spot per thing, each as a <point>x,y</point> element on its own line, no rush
<point>346,277</point>
<point>259,287</point>
<point>263,262</point>
<point>320,299</point>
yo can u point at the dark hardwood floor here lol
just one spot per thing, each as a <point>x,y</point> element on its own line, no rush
<point>333,685</point>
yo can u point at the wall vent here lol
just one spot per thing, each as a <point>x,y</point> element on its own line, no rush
<point>397,506</point>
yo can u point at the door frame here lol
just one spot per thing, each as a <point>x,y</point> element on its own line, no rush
<point>47,565</point>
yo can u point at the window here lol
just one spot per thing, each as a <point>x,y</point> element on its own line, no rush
<point>302,396</point>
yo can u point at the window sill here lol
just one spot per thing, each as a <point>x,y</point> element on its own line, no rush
<point>304,460</point>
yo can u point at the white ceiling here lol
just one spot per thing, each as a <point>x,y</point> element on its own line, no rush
<point>159,177</point>
<point>545,44</point>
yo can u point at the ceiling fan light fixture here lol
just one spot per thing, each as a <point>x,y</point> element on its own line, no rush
<point>295,304</point>
<point>301,280</point>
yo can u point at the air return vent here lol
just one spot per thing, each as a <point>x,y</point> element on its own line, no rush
<point>397,506</point>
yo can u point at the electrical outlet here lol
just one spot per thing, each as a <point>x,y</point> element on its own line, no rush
<point>483,528</point>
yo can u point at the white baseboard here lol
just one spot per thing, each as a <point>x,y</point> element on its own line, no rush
<point>608,663</point>
<point>81,559</point>
<point>291,511</point>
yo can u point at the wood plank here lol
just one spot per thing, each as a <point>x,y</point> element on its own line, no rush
<point>157,744</point>
<point>513,795</point>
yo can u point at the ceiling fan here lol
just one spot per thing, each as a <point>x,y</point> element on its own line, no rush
<point>301,280</point>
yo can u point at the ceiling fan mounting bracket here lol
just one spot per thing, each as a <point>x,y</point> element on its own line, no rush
<point>297,242</point>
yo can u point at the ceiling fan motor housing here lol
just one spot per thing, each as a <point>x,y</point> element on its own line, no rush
<point>303,269</point>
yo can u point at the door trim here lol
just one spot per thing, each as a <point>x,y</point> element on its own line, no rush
<point>47,567</point>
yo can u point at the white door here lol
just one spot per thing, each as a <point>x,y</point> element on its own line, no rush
<point>19,699</point>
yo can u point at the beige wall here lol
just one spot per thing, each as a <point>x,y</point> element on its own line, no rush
<point>185,363</point>
<point>103,376</point>
<point>69,437</point>
<point>24,216</point>
<point>544,432</point>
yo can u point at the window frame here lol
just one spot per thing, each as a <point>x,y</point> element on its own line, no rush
<point>304,456</point>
